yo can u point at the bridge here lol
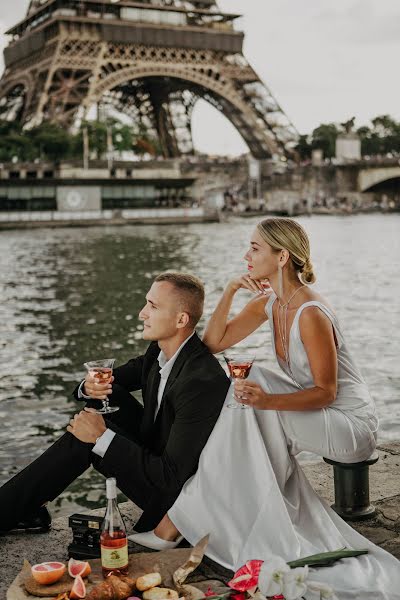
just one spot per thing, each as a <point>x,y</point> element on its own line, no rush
<point>357,184</point>
<point>373,175</point>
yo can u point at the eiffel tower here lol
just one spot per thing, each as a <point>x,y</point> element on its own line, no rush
<point>148,60</point>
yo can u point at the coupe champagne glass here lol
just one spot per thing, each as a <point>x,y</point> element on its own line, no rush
<point>101,371</point>
<point>239,366</point>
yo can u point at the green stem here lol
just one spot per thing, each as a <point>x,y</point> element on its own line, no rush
<point>325,558</point>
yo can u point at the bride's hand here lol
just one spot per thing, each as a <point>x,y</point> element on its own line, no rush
<point>248,283</point>
<point>250,393</point>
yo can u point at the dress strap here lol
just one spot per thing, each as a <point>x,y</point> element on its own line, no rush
<point>328,312</point>
<point>268,306</point>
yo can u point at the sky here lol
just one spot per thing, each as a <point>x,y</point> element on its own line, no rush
<point>324,61</point>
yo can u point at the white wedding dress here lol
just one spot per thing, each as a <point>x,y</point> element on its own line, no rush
<point>252,496</point>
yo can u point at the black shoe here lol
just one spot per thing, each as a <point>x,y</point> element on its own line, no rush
<point>39,522</point>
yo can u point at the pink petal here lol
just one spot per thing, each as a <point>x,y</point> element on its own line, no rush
<point>247,576</point>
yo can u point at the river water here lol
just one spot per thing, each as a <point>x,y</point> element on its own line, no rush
<point>71,295</point>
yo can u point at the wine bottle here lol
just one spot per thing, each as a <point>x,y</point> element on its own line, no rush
<point>113,540</point>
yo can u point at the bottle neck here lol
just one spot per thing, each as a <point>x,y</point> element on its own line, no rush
<point>113,521</point>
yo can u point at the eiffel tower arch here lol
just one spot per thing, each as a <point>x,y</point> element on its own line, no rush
<point>149,60</point>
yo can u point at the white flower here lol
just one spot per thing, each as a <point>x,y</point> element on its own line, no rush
<point>325,591</point>
<point>294,583</point>
<point>270,580</point>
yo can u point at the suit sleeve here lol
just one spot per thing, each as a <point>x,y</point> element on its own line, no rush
<point>129,375</point>
<point>199,404</point>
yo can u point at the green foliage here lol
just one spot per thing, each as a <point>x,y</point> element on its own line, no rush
<point>52,142</point>
<point>303,147</point>
<point>324,138</point>
<point>14,143</point>
<point>381,138</point>
<point>122,137</point>
<point>325,559</point>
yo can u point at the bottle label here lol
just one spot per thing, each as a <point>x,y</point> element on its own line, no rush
<point>114,558</point>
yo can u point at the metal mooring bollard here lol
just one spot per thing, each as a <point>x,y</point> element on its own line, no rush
<point>352,489</point>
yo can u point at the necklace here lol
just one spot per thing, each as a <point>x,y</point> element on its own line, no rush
<point>291,297</point>
<point>282,328</point>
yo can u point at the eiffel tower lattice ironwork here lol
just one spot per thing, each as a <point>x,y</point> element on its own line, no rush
<point>150,60</point>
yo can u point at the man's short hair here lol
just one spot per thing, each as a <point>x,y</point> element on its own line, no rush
<point>190,293</point>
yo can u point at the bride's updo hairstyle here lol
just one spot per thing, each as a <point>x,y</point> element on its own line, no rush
<point>286,234</point>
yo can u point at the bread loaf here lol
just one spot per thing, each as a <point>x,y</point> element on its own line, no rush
<point>148,581</point>
<point>157,593</point>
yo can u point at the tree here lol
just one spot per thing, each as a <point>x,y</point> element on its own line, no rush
<point>15,143</point>
<point>382,138</point>
<point>51,141</point>
<point>97,138</point>
<point>324,138</point>
<point>303,147</point>
<point>122,137</point>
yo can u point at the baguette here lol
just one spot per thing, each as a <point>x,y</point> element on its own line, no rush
<point>148,581</point>
<point>157,593</point>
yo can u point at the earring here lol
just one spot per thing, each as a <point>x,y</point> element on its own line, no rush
<point>280,282</point>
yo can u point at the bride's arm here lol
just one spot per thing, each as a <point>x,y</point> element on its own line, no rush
<point>221,333</point>
<point>319,342</point>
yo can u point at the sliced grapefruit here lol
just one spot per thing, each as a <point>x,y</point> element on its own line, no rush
<point>48,572</point>
<point>78,589</point>
<point>78,567</point>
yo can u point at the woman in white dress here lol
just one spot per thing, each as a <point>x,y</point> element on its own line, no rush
<point>249,492</point>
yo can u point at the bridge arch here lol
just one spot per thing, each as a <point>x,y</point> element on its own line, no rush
<point>209,83</point>
<point>368,178</point>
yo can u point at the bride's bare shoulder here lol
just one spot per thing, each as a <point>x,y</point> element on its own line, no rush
<point>312,314</point>
<point>313,296</point>
<point>259,302</point>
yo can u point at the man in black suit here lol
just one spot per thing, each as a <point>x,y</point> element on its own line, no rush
<point>152,449</point>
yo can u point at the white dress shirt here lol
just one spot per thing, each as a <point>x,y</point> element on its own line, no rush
<point>103,442</point>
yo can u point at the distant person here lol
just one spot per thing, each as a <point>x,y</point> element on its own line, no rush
<point>151,450</point>
<point>250,492</point>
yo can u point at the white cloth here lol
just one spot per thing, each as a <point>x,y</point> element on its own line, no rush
<point>80,391</point>
<point>252,496</point>
<point>103,442</point>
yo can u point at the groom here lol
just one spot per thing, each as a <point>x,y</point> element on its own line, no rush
<point>152,449</point>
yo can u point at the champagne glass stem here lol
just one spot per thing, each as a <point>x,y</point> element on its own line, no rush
<point>241,405</point>
<point>235,404</point>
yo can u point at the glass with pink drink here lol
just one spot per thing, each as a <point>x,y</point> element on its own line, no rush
<point>101,371</point>
<point>239,366</point>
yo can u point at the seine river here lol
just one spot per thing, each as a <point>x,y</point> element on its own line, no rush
<point>71,295</point>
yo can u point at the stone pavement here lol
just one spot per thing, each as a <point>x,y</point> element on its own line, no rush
<point>383,529</point>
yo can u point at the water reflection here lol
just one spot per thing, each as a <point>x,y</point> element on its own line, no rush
<point>70,295</point>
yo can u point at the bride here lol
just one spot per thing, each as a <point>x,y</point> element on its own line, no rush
<point>249,492</point>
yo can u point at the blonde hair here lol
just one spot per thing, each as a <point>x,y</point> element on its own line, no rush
<point>190,293</point>
<point>284,233</point>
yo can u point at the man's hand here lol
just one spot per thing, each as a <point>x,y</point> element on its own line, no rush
<point>87,426</point>
<point>97,391</point>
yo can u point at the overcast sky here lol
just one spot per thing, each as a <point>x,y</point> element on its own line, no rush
<point>324,60</point>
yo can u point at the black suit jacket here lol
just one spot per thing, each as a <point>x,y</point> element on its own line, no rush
<point>167,453</point>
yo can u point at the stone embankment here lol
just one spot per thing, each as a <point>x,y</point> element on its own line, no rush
<point>383,529</point>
